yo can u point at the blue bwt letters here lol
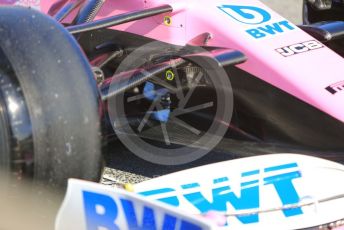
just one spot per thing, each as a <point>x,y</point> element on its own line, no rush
<point>249,197</point>
<point>273,29</point>
<point>94,220</point>
<point>102,211</point>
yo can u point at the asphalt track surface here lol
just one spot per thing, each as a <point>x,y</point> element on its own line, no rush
<point>125,167</point>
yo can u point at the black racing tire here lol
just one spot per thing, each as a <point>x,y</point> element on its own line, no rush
<point>49,124</point>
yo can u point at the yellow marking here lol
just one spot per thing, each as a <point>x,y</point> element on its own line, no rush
<point>169,75</point>
<point>167,20</point>
<point>129,187</point>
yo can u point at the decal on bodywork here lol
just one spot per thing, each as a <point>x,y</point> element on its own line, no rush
<point>299,48</point>
<point>261,21</point>
<point>247,14</point>
<point>90,206</point>
<point>102,210</point>
<point>336,88</point>
<point>253,184</point>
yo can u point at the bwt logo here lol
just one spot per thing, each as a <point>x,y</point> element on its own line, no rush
<point>247,14</point>
<point>102,212</point>
<point>252,15</point>
<point>280,178</point>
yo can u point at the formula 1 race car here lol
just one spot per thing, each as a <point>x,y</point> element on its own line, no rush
<point>172,81</point>
<point>169,79</point>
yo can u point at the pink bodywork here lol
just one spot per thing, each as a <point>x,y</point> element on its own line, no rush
<point>305,75</point>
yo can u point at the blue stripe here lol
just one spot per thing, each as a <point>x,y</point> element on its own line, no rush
<point>157,191</point>
<point>249,183</point>
<point>220,180</point>
<point>188,186</point>
<point>269,180</point>
<point>276,168</point>
<point>250,173</point>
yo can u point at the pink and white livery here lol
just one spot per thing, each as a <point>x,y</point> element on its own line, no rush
<point>172,81</point>
<point>289,91</point>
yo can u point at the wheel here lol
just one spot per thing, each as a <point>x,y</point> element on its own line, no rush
<point>49,126</point>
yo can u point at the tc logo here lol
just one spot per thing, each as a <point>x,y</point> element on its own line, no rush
<point>247,14</point>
